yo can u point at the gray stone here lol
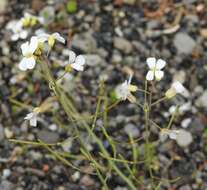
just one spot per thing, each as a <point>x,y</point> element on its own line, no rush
<point>3,5</point>
<point>93,60</point>
<point>84,42</point>
<point>185,187</point>
<point>6,185</point>
<point>201,101</point>
<point>1,133</point>
<point>123,45</point>
<point>48,136</point>
<point>132,130</point>
<point>184,43</point>
<point>184,138</point>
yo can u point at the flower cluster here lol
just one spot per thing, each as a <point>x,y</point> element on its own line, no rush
<point>32,49</point>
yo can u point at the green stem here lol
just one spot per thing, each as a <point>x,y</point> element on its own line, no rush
<point>71,111</point>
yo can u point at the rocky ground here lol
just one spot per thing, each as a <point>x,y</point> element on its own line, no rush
<point>115,36</point>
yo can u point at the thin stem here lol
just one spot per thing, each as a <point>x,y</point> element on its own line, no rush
<point>158,101</point>
<point>71,111</point>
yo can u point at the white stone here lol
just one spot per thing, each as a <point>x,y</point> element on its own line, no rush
<point>184,138</point>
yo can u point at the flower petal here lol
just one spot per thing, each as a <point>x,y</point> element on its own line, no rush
<point>43,37</point>
<point>151,62</point>
<point>23,64</point>
<point>58,37</point>
<point>150,75</point>
<point>25,48</point>
<point>80,60</point>
<point>179,88</point>
<point>159,75</point>
<point>77,67</point>
<point>31,62</point>
<point>23,34</point>
<point>33,44</point>
<point>160,64</point>
<point>33,121</point>
<point>29,116</point>
<point>72,56</point>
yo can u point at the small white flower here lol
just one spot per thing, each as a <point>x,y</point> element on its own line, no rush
<point>32,117</point>
<point>176,88</point>
<point>28,49</point>
<point>17,30</point>
<point>155,69</point>
<point>171,133</point>
<point>75,62</point>
<point>123,91</point>
<point>50,38</point>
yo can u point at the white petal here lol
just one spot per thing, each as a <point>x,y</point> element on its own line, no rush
<point>58,37</point>
<point>25,48</point>
<point>33,44</point>
<point>179,88</point>
<point>150,75</point>
<point>72,56</point>
<point>42,37</point>
<point>23,34</point>
<point>160,64</point>
<point>29,116</point>
<point>77,67</point>
<point>15,37</point>
<point>80,60</point>
<point>122,91</point>
<point>33,121</point>
<point>151,62</point>
<point>31,63</point>
<point>23,64</point>
<point>159,75</point>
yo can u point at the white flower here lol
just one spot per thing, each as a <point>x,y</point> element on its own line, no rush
<point>50,38</point>
<point>123,91</point>
<point>155,69</point>
<point>17,30</point>
<point>28,49</point>
<point>32,117</point>
<point>176,88</point>
<point>75,62</point>
<point>171,133</point>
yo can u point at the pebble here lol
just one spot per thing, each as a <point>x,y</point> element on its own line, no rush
<point>201,101</point>
<point>48,136</point>
<point>6,185</point>
<point>8,133</point>
<point>123,45</point>
<point>6,173</point>
<point>186,122</point>
<point>84,42</point>
<point>3,5</point>
<point>132,130</point>
<point>184,43</point>
<point>87,181</point>
<point>184,138</point>
<point>93,60</point>
<point>180,76</point>
<point>76,176</point>
<point>67,144</point>
<point>1,133</point>
<point>185,187</point>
